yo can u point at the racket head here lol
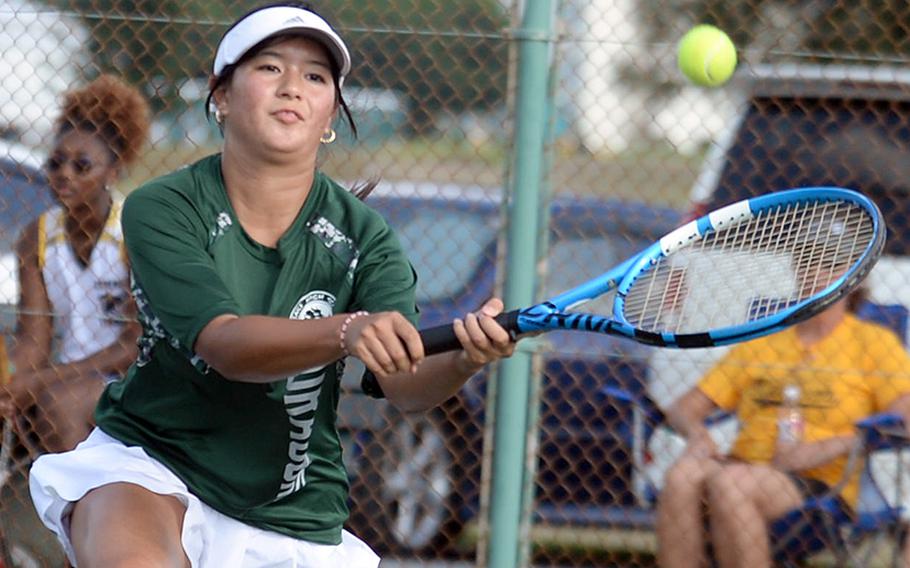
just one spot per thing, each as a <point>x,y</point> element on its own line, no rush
<point>750,268</point>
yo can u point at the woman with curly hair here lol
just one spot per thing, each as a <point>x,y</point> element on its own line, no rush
<point>76,326</point>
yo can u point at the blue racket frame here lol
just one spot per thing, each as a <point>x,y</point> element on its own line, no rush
<point>552,314</point>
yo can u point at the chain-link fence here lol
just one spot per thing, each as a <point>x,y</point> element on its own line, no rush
<point>821,97</point>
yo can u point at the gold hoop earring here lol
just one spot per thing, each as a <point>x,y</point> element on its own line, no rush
<point>328,136</point>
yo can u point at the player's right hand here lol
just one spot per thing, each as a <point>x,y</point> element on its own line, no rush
<point>386,342</point>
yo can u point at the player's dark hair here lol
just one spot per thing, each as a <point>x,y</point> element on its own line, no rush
<point>364,188</point>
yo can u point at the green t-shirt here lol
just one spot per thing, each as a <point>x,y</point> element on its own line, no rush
<point>266,454</point>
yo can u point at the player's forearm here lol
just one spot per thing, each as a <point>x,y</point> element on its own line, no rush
<point>437,379</point>
<point>263,349</point>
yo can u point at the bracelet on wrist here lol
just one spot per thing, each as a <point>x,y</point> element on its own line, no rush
<point>343,332</point>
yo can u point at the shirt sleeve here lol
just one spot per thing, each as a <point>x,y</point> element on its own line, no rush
<point>385,279</point>
<point>889,366</point>
<point>725,382</point>
<point>166,244</point>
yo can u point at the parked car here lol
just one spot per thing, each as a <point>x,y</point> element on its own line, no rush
<point>24,194</point>
<point>416,478</point>
<point>800,125</point>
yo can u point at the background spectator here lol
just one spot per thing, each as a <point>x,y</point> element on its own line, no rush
<point>76,328</point>
<point>843,370</point>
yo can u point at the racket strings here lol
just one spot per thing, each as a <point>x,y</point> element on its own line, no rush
<point>751,269</point>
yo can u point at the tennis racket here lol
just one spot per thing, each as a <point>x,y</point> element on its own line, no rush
<point>740,272</point>
<point>743,271</point>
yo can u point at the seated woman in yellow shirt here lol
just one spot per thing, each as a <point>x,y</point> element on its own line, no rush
<point>845,368</point>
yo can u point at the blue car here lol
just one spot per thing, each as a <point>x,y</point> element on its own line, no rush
<point>416,478</point>
<point>24,194</point>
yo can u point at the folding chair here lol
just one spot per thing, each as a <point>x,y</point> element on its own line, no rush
<point>825,522</point>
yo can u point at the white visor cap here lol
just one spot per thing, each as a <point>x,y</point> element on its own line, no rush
<point>267,22</point>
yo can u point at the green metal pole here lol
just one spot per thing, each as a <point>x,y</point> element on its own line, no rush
<point>513,388</point>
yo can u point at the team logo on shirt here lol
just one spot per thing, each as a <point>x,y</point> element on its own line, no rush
<point>314,305</point>
<point>301,398</point>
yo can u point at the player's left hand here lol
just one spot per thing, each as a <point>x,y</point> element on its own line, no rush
<point>482,338</point>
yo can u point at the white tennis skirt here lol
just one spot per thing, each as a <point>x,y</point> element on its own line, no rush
<point>210,539</point>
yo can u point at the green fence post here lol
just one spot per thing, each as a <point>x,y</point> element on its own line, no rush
<point>511,405</point>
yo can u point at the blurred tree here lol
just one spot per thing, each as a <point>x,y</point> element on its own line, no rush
<point>871,30</point>
<point>830,31</point>
<point>156,43</point>
<point>445,56</point>
<point>442,55</point>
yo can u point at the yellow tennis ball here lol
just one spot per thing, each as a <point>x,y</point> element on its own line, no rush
<point>707,56</point>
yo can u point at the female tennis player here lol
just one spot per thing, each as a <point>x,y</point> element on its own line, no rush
<point>254,275</point>
<point>76,325</point>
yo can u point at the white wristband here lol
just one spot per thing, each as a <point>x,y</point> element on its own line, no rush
<point>342,334</point>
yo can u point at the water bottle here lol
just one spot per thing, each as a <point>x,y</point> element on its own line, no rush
<point>790,422</point>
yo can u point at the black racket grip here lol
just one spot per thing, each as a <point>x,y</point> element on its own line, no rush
<point>439,339</point>
<point>442,338</point>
